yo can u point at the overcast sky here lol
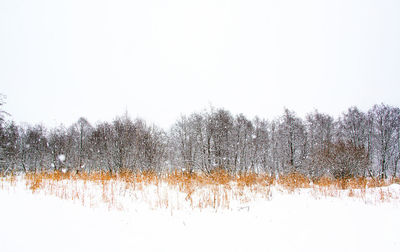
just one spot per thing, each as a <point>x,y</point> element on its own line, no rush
<point>157,59</point>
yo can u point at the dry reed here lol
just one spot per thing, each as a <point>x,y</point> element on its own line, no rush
<point>217,190</point>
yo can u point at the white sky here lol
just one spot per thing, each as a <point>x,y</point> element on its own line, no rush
<point>60,60</point>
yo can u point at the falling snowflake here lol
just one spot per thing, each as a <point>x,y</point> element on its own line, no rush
<point>61,157</point>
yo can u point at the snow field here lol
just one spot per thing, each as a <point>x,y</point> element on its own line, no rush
<point>115,217</point>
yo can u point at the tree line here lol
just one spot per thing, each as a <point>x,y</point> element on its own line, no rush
<point>357,144</point>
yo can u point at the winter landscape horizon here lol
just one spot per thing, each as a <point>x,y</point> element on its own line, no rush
<point>281,185</point>
<point>214,125</point>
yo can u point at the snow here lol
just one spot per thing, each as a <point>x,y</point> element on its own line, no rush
<point>295,221</point>
<point>61,157</point>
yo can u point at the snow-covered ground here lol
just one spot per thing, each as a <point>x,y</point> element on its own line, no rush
<point>298,221</point>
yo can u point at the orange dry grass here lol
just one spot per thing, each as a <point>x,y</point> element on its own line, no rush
<point>195,190</point>
<point>351,183</point>
<point>187,181</point>
<point>293,181</point>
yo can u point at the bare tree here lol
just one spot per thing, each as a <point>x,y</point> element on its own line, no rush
<point>10,147</point>
<point>34,148</point>
<point>60,145</point>
<point>184,139</point>
<point>214,139</point>
<point>84,130</point>
<point>320,134</point>
<point>385,122</point>
<point>353,126</point>
<point>261,154</point>
<point>356,127</point>
<point>242,143</point>
<point>344,160</point>
<point>320,131</point>
<point>397,153</point>
<point>2,136</point>
<point>292,141</point>
<point>3,113</point>
<point>101,147</point>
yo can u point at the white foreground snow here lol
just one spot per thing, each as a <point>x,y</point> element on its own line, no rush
<point>287,222</point>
